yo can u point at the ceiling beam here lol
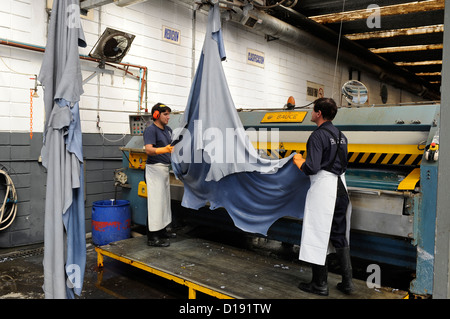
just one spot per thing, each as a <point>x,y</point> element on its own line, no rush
<point>407,48</point>
<point>396,32</point>
<point>418,63</point>
<point>428,73</point>
<point>404,8</point>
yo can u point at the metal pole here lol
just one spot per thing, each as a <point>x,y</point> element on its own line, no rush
<point>441,282</point>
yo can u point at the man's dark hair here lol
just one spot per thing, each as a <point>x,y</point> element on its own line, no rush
<point>161,108</point>
<point>327,106</point>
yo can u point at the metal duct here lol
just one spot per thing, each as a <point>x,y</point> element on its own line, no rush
<point>319,38</point>
<point>350,52</point>
<point>123,3</point>
<point>90,4</point>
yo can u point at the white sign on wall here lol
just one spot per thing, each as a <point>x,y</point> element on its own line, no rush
<point>255,58</point>
<point>171,35</point>
<point>313,91</point>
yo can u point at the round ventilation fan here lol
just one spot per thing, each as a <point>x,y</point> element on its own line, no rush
<point>112,46</point>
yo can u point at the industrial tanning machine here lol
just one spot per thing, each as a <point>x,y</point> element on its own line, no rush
<point>393,156</point>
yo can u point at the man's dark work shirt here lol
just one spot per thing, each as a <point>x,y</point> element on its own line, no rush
<point>321,149</point>
<point>158,138</point>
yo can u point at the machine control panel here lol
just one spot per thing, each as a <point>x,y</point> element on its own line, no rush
<point>138,123</point>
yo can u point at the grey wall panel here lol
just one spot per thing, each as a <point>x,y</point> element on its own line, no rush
<point>19,156</point>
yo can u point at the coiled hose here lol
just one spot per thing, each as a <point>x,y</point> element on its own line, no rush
<point>8,209</point>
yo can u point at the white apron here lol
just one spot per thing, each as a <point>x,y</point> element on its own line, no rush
<point>158,196</point>
<point>318,216</point>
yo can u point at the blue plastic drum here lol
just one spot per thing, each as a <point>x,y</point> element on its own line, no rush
<point>111,221</point>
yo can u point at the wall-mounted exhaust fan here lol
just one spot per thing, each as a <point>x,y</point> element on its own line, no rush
<point>112,46</point>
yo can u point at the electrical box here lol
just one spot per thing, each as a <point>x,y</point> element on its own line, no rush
<point>138,123</point>
<point>142,189</point>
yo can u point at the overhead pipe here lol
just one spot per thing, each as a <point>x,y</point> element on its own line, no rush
<point>419,86</point>
<point>38,48</point>
<point>315,36</point>
<point>324,40</point>
<point>91,4</point>
<point>124,3</point>
<point>41,49</point>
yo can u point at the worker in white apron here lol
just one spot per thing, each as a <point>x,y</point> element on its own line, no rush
<point>326,221</point>
<point>157,140</point>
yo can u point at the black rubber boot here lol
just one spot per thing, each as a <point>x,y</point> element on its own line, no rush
<point>319,282</point>
<point>346,286</point>
<point>167,234</point>
<point>155,239</point>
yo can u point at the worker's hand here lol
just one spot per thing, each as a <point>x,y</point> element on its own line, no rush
<point>164,150</point>
<point>299,160</point>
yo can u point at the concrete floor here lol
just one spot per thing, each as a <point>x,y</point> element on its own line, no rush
<point>21,277</point>
<point>21,271</point>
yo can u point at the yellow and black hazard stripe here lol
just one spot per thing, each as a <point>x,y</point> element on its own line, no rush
<point>385,158</point>
<point>379,154</point>
<point>369,154</point>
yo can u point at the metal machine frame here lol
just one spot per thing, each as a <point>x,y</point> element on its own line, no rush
<point>392,184</point>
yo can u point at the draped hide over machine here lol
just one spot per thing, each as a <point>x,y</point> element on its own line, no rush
<point>227,171</point>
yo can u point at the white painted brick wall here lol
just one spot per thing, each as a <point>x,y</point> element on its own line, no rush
<point>169,66</point>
